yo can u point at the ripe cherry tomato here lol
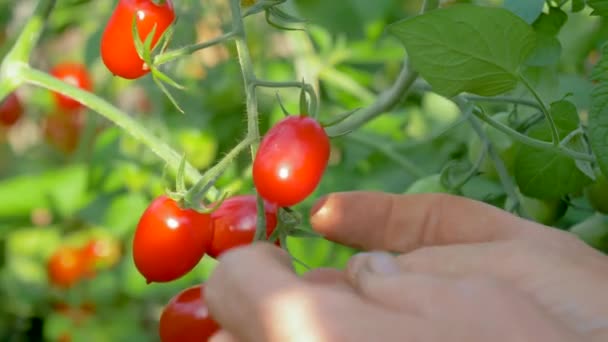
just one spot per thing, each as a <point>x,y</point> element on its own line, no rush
<point>10,110</point>
<point>63,130</point>
<point>75,74</point>
<point>186,318</point>
<point>66,267</point>
<point>234,223</point>
<point>291,160</point>
<point>117,43</point>
<point>170,241</point>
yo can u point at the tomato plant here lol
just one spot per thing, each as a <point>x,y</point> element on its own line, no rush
<point>291,160</point>
<point>234,223</point>
<point>66,267</point>
<point>118,50</point>
<point>186,317</point>
<point>169,241</point>
<point>63,130</point>
<point>10,110</point>
<point>504,145</point>
<point>75,74</point>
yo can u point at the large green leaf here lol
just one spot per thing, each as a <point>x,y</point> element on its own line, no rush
<point>467,48</point>
<point>598,115</point>
<point>545,174</point>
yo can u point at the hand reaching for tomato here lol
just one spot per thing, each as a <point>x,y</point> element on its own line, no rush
<point>465,271</point>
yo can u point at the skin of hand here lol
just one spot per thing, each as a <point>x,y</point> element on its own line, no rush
<point>464,271</point>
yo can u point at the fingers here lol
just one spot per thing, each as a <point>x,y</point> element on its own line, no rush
<point>400,223</point>
<point>255,296</point>
<point>328,277</point>
<point>223,336</point>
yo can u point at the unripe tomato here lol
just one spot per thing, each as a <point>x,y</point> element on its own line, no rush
<point>169,241</point>
<point>66,267</point>
<point>75,74</point>
<point>597,194</point>
<point>291,160</point>
<point>186,318</point>
<point>503,144</point>
<point>62,131</point>
<point>234,223</point>
<point>118,50</point>
<point>10,110</point>
<point>428,184</point>
<point>546,212</point>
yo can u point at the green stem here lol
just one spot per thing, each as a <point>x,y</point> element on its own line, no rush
<point>188,50</point>
<point>249,79</point>
<point>554,133</point>
<point>503,99</point>
<point>305,86</point>
<point>115,115</point>
<point>405,163</point>
<point>384,102</point>
<point>20,53</point>
<point>543,145</point>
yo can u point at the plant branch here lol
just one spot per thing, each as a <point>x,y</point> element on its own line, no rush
<point>503,99</point>
<point>119,118</point>
<point>19,54</point>
<point>554,133</point>
<point>543,145</point>
<point>188,50</point>
<point>305,86</point>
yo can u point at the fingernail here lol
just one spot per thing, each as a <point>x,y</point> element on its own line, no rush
<point>317,208</point>
<point>382,263</point>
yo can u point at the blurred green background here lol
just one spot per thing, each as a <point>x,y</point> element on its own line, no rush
<point>50,199</point>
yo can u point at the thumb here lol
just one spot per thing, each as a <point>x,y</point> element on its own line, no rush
<point>378,277</point>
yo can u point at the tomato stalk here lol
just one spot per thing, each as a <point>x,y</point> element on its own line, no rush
<point>314,103</point>
<point>524,139</point>
<point>121,119</point>
<point>554,133</point>
<point>10,78</point>
<point>190,49</point>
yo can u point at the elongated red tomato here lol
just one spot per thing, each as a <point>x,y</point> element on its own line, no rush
<point>291,160</point>
<point>117,43</point>
<point>170,241</point>
<point>186,318</point>
<point>10,110</point>
<point>75,74</point>
<point>234,223</point>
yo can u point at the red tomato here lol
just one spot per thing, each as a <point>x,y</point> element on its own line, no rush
<point>66,267</point>
<point>10,110</point>
<point>170,241</point>
<point>63,130</point>
<point>234,223</point>
<point>186,318</point>
<point>75,74</point>
<point>291,160</point>
<point>117,43</point>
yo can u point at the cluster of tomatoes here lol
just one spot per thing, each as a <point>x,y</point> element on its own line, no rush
<point>171,238</point>
<point>69,264</point>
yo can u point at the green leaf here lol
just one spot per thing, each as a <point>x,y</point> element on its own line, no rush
<point>548,51</point>
<point>467,48</point>
<point>600,7</point>
<point>578,5</point>
<point>528,10</point>
<point>598,114</point>
<point>544,174</point>
<point>552,22</point>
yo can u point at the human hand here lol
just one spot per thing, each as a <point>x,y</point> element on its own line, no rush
<point>255,295</point>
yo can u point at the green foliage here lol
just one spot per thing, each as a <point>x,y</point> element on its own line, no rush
<point>487,62</point>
